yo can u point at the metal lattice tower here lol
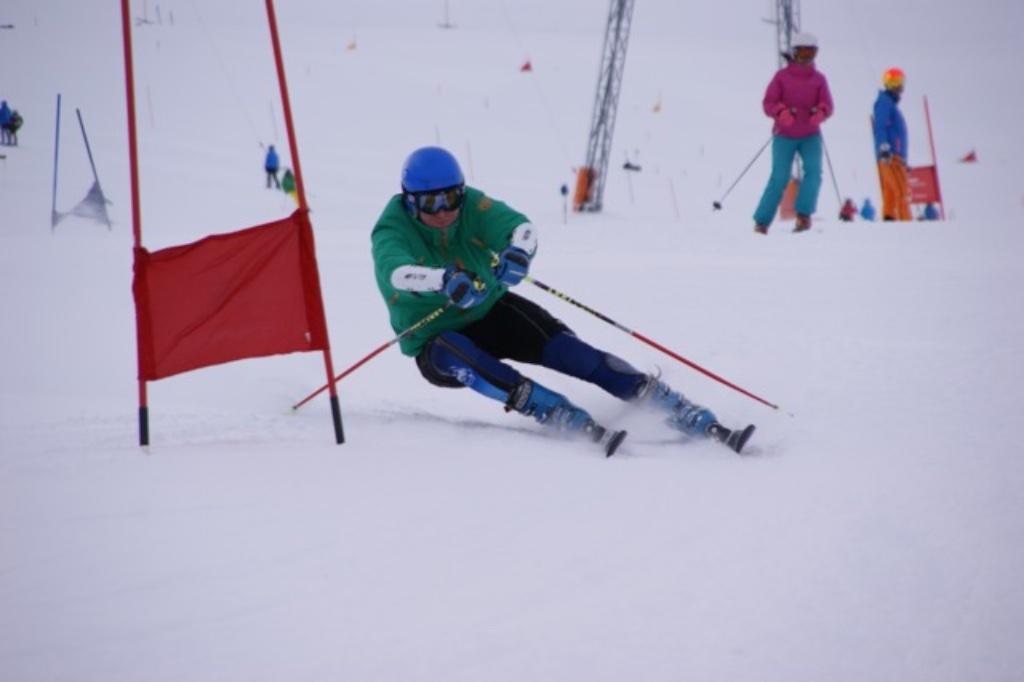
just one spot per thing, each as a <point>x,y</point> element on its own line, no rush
<point>787,22</point>
<point>590,183</point>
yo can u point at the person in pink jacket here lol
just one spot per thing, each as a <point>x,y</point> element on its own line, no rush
<point>798,100</point>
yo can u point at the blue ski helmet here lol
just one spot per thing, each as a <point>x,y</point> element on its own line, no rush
<point>431,168</point>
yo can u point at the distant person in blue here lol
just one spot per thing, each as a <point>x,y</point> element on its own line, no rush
<point>890,130</point>
<point>867,210</point>
<point>5,119</point>
<point>272,165</point>
<point>12,127</point>
<point>930,212</point>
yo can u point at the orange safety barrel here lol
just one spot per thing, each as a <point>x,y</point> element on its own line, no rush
<point>584,181</point>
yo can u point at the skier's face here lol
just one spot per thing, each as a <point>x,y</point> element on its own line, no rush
<point>805,54</point>
<point>439,220</point>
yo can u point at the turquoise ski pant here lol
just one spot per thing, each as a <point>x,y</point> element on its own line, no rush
<point>783,151</point>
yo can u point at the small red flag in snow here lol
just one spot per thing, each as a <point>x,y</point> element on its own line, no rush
<point>970,157</point>
<point>527,66</point>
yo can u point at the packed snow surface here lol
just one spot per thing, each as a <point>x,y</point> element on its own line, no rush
<point>874,530</point>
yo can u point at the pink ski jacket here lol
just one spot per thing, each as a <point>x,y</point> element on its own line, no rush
<point>804,91</point>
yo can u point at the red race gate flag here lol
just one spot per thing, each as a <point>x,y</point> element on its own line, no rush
<point>244,294</point>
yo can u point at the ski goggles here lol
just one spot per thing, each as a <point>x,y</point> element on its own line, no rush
<point>435,201</point>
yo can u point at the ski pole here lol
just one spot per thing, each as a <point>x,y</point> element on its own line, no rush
<point>717,205</point>
<point>650,342</point>
<point>831,172</point>
<point>377,351</point>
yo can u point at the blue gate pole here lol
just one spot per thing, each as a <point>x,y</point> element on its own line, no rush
<point>54,216</point>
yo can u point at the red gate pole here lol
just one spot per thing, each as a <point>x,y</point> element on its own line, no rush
<point>133,154</point>
<point>935,161</point>
<point>300,188</point>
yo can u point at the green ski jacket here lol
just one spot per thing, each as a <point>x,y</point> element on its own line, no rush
<point>484,225</point>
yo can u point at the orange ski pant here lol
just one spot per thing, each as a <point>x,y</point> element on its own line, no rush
<point>895,190</point>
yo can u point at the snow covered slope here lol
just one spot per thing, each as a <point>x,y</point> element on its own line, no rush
<point>874,532</point>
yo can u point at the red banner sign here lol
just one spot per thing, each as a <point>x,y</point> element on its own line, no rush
<point>924,185</point>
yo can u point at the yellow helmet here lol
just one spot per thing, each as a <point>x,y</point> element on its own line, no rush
<point>893,78</point>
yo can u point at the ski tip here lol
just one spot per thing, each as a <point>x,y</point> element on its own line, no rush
<point>615,439</point>
<point>737,439</point>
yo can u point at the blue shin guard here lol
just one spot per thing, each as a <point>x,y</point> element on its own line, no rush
<point>567,354</point>
<point>456,356</point>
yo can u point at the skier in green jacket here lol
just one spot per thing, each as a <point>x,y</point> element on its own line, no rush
<point>440,244</point>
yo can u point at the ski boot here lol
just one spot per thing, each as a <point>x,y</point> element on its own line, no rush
<point>761,229</point>
<point>803,222</point>
<point>555,410</point>
<point>690,418</point>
